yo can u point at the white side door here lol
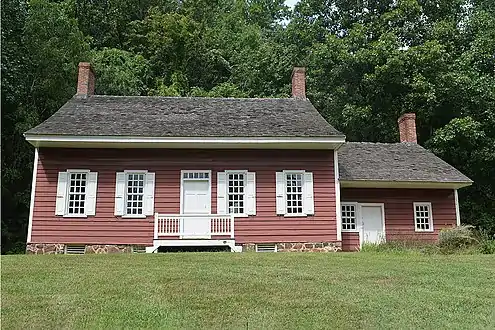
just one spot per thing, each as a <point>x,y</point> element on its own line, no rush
<point>196,200</point>
<point>372,223</point>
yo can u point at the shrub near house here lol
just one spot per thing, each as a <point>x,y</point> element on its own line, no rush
<point>118,173</point>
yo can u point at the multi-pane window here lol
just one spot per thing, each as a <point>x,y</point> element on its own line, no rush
<point>294,193</point>
<point>196,175</point>
<point>135,193</point>
<point>348,215</point>
<point>423,217</point>
<point>77,193</point>
<point>236,193</point>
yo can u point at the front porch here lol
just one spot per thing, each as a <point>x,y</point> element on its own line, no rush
<point>176,230</point>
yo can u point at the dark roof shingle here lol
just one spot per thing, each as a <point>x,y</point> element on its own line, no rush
<point>101,115</point>
<point>364,161</point>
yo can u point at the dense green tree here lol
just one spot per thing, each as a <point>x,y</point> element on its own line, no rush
<point>120,72</point>
<point>41,47</point>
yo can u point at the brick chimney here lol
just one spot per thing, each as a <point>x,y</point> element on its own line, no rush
<point>407,127</point>
<point>85,80</point>
<point>299,83</point>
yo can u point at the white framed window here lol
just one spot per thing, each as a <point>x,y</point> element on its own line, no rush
<point>134,194</point>
<point>423,218</point>
<point>134,197</point>
<point>236,193</point>
<point>76,193</point>
<point>195,175</point>
<point>349,216</point>
<point>294,191</point>
<point>294,182</point>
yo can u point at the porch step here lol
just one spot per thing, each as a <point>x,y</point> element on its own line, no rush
<point>193,242</point>
<point>151,249</point>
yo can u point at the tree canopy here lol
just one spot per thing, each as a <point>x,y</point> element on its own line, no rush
<point>367,63</point>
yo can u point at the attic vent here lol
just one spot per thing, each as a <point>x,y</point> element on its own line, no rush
<point>75,249</point>
<point>139,249</point>
<point>266,247</point>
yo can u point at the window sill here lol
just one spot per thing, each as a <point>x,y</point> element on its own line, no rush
<point>293,215</point>
<point>350,230</point>
<point>424,230</point>
<point>78,216</point>
<point>240,215</point>
<point>134,216</point>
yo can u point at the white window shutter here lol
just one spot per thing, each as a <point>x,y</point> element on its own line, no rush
<point>280,190</point>
<point>120,193</point>
<point>91,193</point>
<point>61,193</point>
<point>221,193</point>
<point>149,194</point>
<point>309,202</point>
<point>251,193</point>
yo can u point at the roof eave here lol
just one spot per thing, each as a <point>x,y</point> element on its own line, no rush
<point>404,184</point>
<point>65,141</point>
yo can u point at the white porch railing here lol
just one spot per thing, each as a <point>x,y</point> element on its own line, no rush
<point>193,225</point>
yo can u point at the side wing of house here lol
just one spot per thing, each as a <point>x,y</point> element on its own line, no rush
<point>374,215</point>
<point>396,191</point>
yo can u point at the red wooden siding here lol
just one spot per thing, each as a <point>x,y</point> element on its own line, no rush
<point>350,241</point>
<point>105,228</point>
<point>399,213</point>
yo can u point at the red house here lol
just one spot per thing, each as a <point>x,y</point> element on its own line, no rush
<point>133,173</point>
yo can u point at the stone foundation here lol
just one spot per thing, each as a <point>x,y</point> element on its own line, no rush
<point>249,247</point>
<point>45,248</point>
<point>310,247</point>
<point>98,249</point>
<point>49,248</point>
<point>300,247</point>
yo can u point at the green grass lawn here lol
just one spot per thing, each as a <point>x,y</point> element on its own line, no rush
<point>249,291</point>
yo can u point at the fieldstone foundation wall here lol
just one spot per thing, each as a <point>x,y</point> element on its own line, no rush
<point>49,248</point>
<point>249,247</point>
<point>45,248</point>
<point>91,249</point>
<point>300,247</point>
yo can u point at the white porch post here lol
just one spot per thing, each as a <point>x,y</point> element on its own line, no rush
<point>232,226</point>
<point>156,226</point>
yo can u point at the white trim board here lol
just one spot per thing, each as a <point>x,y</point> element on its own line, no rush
<point>403,184</point>
<point>338,208</point>
<point>185,142</point>
<point>33,191</point>
<point>457,211</point>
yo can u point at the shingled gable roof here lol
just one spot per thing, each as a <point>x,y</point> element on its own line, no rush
<point>395,162</point>
<point>99,119</point>
<point>138,116</point>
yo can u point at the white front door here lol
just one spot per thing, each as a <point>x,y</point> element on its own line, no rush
<point>372,225</point>
<point>196,200</point>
